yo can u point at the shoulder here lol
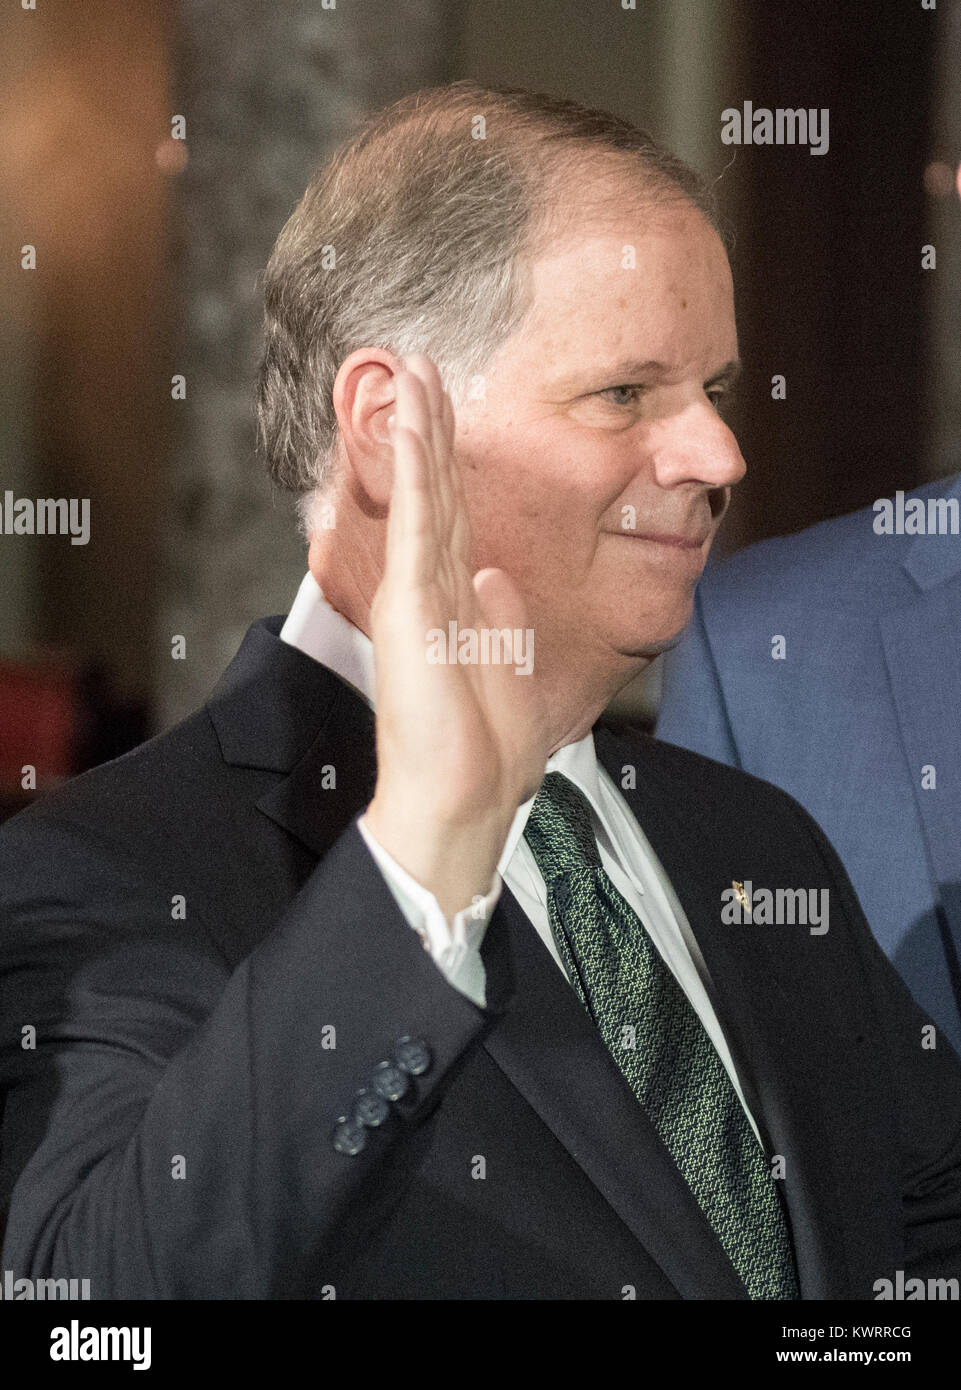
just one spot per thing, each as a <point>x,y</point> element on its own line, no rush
<point>716,789</point>
<point>711,816</point>
<point>840,561</point>
<point>134,813</point>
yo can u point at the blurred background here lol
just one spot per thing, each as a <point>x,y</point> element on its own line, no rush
<point>149,155</point>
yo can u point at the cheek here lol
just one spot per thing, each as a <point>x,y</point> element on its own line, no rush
<point>537,497</point>
<point>602,465</point>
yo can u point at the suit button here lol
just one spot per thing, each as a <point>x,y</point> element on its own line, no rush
<point>369,1109</point>
<point>412,1055</point>
<point>389,1081</point>
<point>349,1136</point>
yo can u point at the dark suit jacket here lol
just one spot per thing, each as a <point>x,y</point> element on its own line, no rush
<point>195,1045</point>
<point>868,695</point>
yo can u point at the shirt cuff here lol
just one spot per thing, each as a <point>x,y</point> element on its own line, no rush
<point>454,947</point>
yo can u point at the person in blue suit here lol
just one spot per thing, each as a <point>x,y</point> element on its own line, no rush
<point>829,663</point>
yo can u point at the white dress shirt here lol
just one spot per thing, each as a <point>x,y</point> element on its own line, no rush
<point>326,635</point>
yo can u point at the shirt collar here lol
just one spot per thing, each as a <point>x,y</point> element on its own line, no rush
<point>578,762</point>
<point>317,629</point>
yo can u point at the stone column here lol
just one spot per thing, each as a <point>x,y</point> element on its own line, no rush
<point>266,91</point>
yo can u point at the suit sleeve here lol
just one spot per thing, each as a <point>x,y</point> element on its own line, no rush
<point>925,1078</point>
<point>692,710</point>
<point>456,947</point>
<point>168,1121</point>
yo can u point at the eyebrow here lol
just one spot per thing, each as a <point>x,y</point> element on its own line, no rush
<point>625,371</point>
<point>729,373</point>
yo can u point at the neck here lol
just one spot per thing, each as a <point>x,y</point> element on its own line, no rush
<point>347,560</point>
<point>577,692</point>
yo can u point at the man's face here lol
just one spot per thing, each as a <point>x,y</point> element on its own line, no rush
<point>600,412</point>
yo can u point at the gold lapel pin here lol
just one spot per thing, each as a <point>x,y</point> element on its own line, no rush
<point>741,895</point>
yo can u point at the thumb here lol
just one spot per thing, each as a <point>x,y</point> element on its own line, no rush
<point>501,601</point>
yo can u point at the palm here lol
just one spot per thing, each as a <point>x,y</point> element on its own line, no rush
<point>476,732</point>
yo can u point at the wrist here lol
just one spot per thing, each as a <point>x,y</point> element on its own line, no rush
<point>455,864</point>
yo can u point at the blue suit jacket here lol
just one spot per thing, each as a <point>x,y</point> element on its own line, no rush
<point>867,696</point>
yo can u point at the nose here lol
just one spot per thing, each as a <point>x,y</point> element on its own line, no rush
<point>696,446</point>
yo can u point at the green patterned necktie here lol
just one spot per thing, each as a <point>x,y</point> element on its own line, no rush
<point>673,1067</point>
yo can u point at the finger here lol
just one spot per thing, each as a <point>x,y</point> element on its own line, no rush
<point>500,598</point>
<point>428,377</point>
<point>460,527</point>
<point>450,472</point>
<point>425,369</point>
<point>413,407</point>
<point>414,413</point>
<point>449,422</point>
<point>411,543</point>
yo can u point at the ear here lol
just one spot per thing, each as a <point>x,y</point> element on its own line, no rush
<point>364,399</point>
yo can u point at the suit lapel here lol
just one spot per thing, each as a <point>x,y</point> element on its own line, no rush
<point>922,650</point>
<point>279,710</point>
<point>547,1046</point>
<point>333,781</point>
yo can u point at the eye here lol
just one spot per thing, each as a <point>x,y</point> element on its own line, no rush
<point>716,395</point>
<point>612,392</point>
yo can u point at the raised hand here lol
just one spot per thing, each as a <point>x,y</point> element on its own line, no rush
<point>459,746</point>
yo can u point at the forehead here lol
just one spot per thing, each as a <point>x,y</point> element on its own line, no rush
<point>618,277</point>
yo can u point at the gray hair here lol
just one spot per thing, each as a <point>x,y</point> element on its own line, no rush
<point>416,236</point>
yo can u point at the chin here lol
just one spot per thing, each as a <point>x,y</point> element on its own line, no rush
<point>656,632</point>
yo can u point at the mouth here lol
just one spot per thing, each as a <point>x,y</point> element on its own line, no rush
<point>665,538</point>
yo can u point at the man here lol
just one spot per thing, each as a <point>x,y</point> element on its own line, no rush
<point>447,1003</point>
<point>828,663</point>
